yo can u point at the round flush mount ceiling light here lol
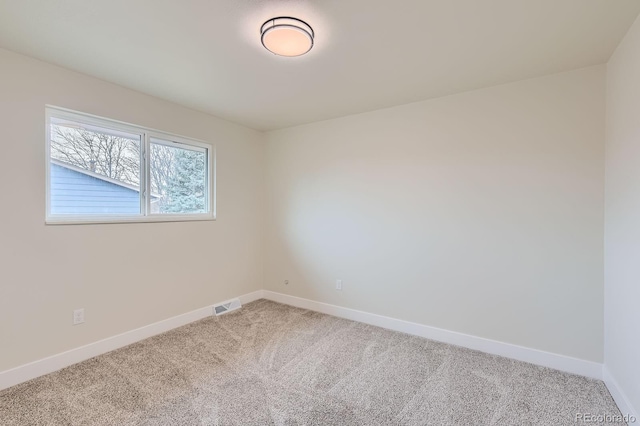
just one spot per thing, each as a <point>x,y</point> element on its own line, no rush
<point>287,36</point>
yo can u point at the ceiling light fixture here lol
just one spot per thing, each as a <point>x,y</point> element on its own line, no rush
<point>287,36</point>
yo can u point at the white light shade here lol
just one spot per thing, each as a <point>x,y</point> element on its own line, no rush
<point>287,36</point>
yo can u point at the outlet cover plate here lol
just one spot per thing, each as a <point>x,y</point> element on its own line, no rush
<point>78,316</point>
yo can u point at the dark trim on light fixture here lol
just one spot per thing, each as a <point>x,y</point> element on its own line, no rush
<point>289,22</point>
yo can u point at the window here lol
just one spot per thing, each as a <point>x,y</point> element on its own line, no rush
<point>100,171</point>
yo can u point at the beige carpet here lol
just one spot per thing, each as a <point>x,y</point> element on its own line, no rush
<point>271,364</point>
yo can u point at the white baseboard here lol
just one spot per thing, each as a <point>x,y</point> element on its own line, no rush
<point>625,406</point>
<point>56,362</point>
<point>520,353</point>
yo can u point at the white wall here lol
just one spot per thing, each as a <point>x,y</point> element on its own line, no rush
<point>480,213</point>
<point>125,276</point>
<point>622,218</point>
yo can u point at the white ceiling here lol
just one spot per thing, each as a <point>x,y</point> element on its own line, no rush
<point>369,54</point>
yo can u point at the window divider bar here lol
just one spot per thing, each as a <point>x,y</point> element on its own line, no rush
<point>146,163</point>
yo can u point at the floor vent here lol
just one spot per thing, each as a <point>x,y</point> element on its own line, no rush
<point>224,307</point>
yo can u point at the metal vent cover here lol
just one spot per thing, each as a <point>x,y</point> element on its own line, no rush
<point>228,306</point>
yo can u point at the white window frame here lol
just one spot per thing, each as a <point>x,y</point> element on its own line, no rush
<point>145,182</point>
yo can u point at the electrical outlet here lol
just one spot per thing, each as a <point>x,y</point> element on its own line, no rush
<point>338,284</point>
<point>78,316</point>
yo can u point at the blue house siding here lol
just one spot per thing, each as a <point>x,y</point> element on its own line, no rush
<point>73,193</point>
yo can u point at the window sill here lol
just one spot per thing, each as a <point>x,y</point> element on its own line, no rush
<point>71,220</point>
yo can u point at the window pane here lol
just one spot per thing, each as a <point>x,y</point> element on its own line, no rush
<point>93,170</point>
<point>178,178</point>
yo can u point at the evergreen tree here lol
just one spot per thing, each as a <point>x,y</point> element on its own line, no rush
<point>187,185</point>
